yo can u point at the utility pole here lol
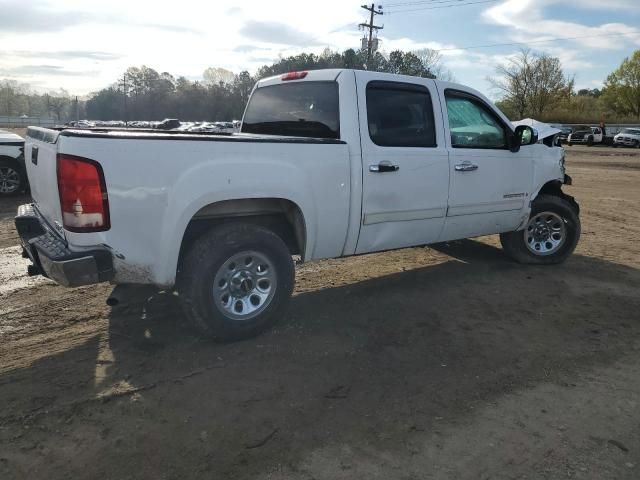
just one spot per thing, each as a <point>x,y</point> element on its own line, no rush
<point>124,91</point>
<point>372,9</point>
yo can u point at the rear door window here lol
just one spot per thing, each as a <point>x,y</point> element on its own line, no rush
<point>301,109</point>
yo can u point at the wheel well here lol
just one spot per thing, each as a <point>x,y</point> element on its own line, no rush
<point>10,160</point>
<point>282,217</point>
<point>554,187</point>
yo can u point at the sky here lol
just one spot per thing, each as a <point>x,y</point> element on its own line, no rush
<point>84,46</point>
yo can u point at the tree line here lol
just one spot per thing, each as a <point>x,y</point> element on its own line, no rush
<point>143,93</point>
<point>529,85</point>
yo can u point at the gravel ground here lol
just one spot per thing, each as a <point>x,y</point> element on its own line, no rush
<point>430,363</point>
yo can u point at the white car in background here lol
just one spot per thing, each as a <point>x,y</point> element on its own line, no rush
<point>629,137</point>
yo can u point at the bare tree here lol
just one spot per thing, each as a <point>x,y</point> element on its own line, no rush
<point>218,76</point>
<point>532,83</point>
<point>432,61</point>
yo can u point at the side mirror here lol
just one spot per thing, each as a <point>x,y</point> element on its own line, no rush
<point>524,135</point>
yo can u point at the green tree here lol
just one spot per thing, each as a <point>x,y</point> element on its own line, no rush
<point>622,88</point>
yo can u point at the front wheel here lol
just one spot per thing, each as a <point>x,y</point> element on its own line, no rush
<point>551,234</point>
<point>235,281</point>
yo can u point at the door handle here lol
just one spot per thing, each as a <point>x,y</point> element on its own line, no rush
<point>466,167</point>
<point>383,168</point>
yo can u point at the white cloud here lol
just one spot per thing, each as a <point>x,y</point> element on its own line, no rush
<point>70,37</point>
<point>527,23</point>
<point>184,40</point>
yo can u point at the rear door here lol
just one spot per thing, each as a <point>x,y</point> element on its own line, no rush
<point>489,184</point>
<point>405,167</point>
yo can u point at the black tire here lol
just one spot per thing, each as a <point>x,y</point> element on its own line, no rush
<point>514,243</point>
<point>636,144</point>
<point>569,144</point>
<point>12,168</point>
<point>590,142</point>
<point>205,260</point>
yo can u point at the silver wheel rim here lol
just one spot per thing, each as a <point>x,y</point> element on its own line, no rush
<point>244,285</point>
<point>9,180</point>
<point>545,234</point>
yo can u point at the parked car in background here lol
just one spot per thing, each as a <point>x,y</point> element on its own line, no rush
<point>13,174</point>
<point>168,124</point>
<point>329,163</point>
<point>629,137</point>
<point>583,134</point>
<point>563,136</point>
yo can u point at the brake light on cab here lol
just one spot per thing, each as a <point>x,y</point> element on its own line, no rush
<point>83,194</point>
<point>293,76</point>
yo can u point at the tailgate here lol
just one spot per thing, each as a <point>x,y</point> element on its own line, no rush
<point>41,147</point>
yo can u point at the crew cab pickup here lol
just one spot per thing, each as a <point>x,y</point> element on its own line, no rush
<point>629,137</point>
<point>329,163</point>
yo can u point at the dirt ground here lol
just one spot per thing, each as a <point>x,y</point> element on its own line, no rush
<point>429,363</point>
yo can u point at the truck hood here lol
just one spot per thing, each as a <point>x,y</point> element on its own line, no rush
<point>10,137</point>
<point>544,129</point>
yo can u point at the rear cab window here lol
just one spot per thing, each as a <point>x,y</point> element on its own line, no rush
<point>300,109</point>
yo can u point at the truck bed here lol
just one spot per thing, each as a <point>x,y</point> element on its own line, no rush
<point>50,135</point>
<point>157,182</point>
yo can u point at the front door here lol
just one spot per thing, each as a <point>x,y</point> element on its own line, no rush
<point>405,165</point>
<point>489,184</point>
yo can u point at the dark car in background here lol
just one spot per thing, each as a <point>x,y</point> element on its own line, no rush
<point>563,136</point>
<point>13,176</point>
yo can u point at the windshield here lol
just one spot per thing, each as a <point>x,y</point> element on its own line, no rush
<point>631,131</point>
<point>302,109</point>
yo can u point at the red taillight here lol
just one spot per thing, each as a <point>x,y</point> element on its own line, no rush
<point>293,76</point>
<point>83,194</point>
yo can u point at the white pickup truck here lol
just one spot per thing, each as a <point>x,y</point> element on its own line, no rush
<point>585,134</point>
<point>329,163</point>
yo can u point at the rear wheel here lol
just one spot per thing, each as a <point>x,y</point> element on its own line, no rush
<point>12,179</point>
<point>551,234</point>
<point>235,281</point>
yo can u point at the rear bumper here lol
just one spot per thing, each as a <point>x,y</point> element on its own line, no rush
<point>52,258</point>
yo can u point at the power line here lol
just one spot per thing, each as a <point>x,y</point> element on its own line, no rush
<point>535,41</point>
<point>371,9</point>
<point>421,2</point>
<point>442,6</point>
